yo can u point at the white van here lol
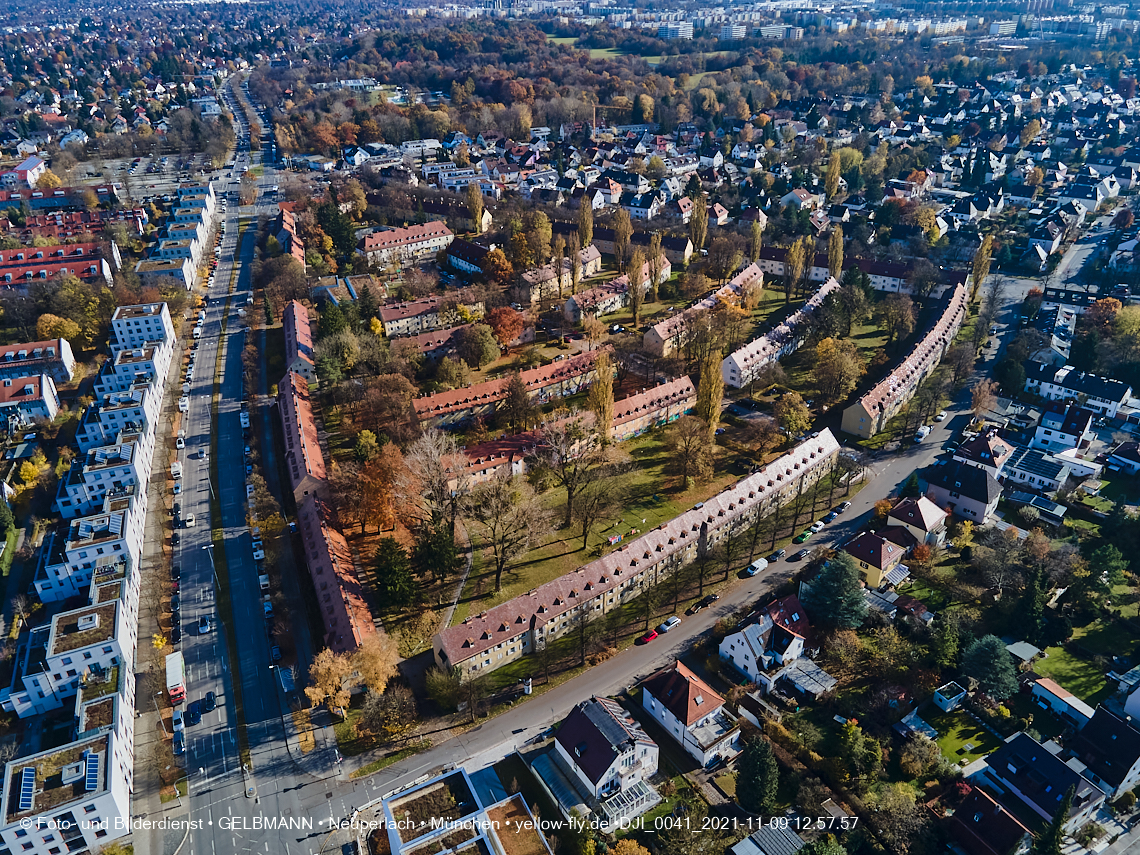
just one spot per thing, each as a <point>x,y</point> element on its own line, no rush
<point>757,566</point>
<point>184,404</point>
<point>197,332</point>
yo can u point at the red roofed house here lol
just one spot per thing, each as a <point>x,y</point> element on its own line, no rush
<point>299,342</point>
<point>692,713</point>
<point>556,380</point>
<point>26,174</point>
<point>981,826</point>
<point>346,616</point>
<point>31,398</point>
<point>405,244</point>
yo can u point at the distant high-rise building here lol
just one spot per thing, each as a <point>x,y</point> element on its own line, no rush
<point>680,30</point>
<point>732,32</point>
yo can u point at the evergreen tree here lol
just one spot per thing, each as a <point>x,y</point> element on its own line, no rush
<point>835,599</point>
<point>757,777</point>
<point>366,306</point>
<point>911,489</point>
<point>1030,611</point>
<point>7,520</point>
<point>332,320</point>
<point>1049,843</point>
<point>394,580</point>
<point>988,662</point>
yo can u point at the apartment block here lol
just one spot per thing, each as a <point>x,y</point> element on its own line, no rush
<point>53,358</point>
<point>613,295</point>
<point>405,244</point>
<point>549,382</point>
<point>134,409</point>
<point>28,398</point>
<point>741,366</point>
<point>132,365</point>
<point>105,470</point>
<point>650,408</point>
<point>885,399</point>
<point>515,628</point>
<point>345,614</point>
<point>549,282</point>
<point>136,326</point>
<point>299,353</point>
<point>1103,395</point>
<point>151,271</point>
<point>670,335</point>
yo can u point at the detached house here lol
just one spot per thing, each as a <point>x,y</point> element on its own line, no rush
<point>878,559</point>
<point>967,491</point>
<point>981,826</point>
<point>1063,427</point>
<point>692,713</point>
<point>925,521</point>
<point>604,750</point>
<point>1110,749</point>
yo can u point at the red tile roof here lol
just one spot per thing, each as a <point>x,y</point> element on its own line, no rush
<point>395,238</point>
<point>683,693</point>
<point>303,450</point>
<point>298,333</point>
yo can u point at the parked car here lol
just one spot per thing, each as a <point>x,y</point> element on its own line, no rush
<point>648,637</point>
<point>190,520</point>
<point>177,723</point>
<point>777,555</point>
<point>817,526</point>
<point>669,624</point>
<point>179,745</point>
<point>756,566</point>
<point>275,653</point>
<point>831,517</point>
<point>203,625</point>
<point>709,599</point>
<point>941,417</point>
<point>210,703</point>
<point>803,536</point>
<point>843,507</point>
<point>801,555</point>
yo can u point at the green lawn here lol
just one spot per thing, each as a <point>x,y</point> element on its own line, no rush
<point>956,730</point>
<point>1080,676</point>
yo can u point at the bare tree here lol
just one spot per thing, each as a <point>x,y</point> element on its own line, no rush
<point>598,499</point>
<point>571,452</point>
<point>510,518</point>
<point>435,480</point>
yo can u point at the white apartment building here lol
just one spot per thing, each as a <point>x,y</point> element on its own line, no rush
<point>136,326</point>
<point>135,409</point>
<point>692,713</point>
<point>74,553</point>
<point>741,366</point>
<point>130,366</point>
<point>105,469</point>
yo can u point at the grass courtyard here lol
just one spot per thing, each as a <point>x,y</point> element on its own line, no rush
<point>961,738</point>
<point>1083,677</point>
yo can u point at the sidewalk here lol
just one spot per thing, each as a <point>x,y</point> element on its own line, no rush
<point>149,730</point>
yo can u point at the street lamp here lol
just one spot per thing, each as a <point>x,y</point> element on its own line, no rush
<point>157,710</point>
<point>209,547</point>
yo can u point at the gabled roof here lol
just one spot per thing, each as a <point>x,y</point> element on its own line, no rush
<point>983,827</point>
<point>920,513</point>
<point>683,693</point>
<point>989,449</point>
<point>596,733</point>
<point>1041,777</point>
<point>1109,746</point>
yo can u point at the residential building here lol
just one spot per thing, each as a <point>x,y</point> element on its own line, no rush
<point>949,697</point>
<point>140,325</point>
<point>674,31</point>
<point>966,491</point>
<point>1038,469</point>
<point>1109,747</point>
<point>981,826</point>
<point>65,225</point>
<point>679,250</point>
<point>604,748</point>
<point>1061,702</point>
<point>546,383</point>
<point>152,271</point>
<point>513,629</point>
<point>742,366</point>
<point>26,174</point>
<point>614,294</point>
<point>27,399</point>
<point>876,557</point>
<point>132,365</point>
<point>346,616</point>
<point>692,713</point>
<point>1063,426</point>
<point>1102,395</point>
<point>103,470</point>
<point>671,334</point>
<point>870,414</point>
<point>87,268</point>
<point>467,257</point>
<point>412,317</point>
<point>547,283</point>
<point>770,643</point>
<point>1126,458</point>
<point>774,839</point>
<point>53,358</point>
<point>925,520</point>
<point>1023,767</point>
<point>655,407</point>
<point>136,408</point>
<point>299,354</point>
<point>405,244</point>
<point>987,451</point>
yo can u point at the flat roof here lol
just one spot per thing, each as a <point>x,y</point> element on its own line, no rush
<point>50,791</point>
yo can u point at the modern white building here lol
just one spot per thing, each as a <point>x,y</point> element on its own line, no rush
<point>103,470</point>
<point>692,713</point>
<point>604,748</point>
<point>1102,395</point>
<point>137,326</point>
<point>135,409</point>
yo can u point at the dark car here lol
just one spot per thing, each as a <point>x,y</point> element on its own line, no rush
<point>695,607</point>
<point>175,539</point>
<point>210,703</point>
<point>801,555</point>
<point>175,572</point>
<point>842,507</point>
<point>830,517</point>
<point>777,555</point>
<point>177,509</point>
<point>710,599</point>
<point>193,714</point>
<point>175,634</point>
<point>175,603</point>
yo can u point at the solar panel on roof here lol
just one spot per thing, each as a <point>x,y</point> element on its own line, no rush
<point>92,780</point>
<point>27,788</point>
